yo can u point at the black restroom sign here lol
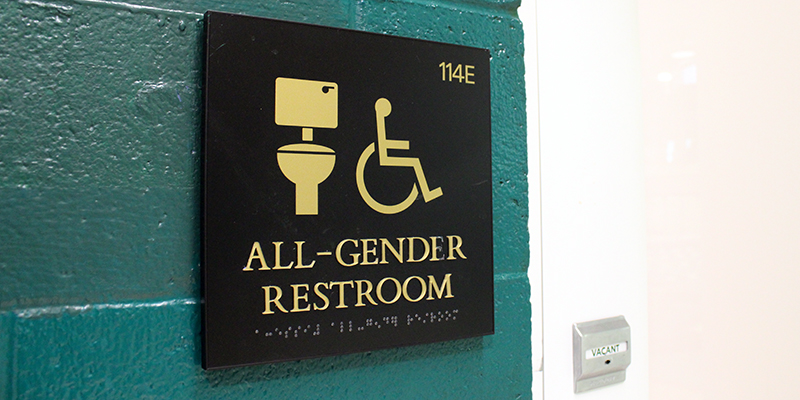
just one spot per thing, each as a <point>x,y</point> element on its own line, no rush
<point>347,192</point>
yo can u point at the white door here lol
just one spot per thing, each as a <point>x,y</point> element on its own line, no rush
<point>587,184</point>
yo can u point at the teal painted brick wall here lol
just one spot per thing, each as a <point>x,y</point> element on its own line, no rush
<point>99,206</point>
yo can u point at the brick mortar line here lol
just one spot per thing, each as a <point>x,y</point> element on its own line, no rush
<point>38,312</point>
<point>119,5</point>
<point>138,8</point>
<point>509,276</point>
<point>484,7</point>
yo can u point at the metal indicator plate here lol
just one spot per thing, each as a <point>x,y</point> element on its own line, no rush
<point>601,352</point>
<point>347,201</point>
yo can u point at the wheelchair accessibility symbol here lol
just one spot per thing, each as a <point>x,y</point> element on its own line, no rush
<point>315,104</point>
<point>382,110</point>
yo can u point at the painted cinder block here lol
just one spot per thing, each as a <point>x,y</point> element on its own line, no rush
<point>100,155</point>
<point>99,203</point>
<point>152,350</point>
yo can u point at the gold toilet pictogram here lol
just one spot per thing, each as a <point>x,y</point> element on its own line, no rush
<point>307,104</point>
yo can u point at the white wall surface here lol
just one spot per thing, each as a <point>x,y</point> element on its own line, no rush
<point>592,183</point>
<point>721,98</point>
